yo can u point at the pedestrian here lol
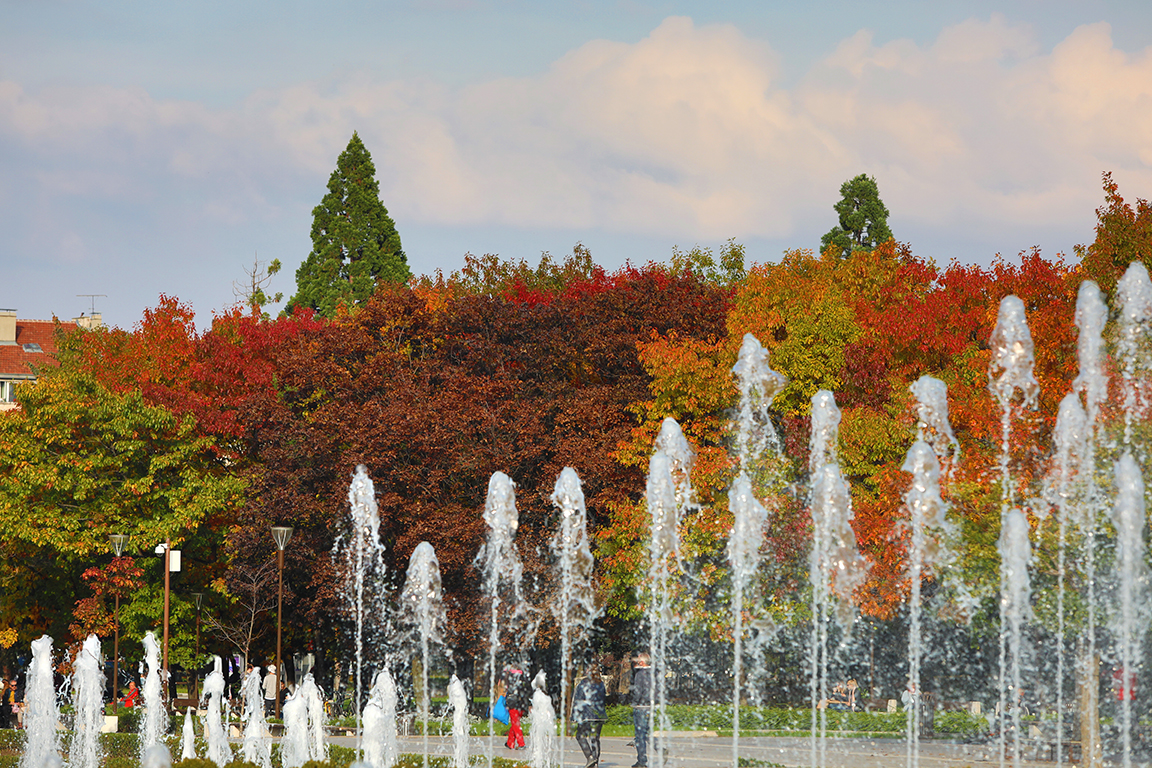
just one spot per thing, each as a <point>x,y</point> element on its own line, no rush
<point>518,698</point>
<point>589,711</point>
<point>641,697</point>
<point>7,700</point>
<point>270,691</point>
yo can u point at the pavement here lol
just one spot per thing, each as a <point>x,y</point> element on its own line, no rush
<point>709,751</point>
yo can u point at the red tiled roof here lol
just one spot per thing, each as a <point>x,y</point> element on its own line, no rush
<point>15,361</point>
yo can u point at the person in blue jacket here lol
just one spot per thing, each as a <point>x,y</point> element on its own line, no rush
<point>589,711</point>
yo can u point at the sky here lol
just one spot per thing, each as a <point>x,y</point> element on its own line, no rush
<point>164,148</point>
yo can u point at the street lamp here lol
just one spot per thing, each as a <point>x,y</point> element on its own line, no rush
<point>280,535</point>
<point>118,542</point>
<point>196,673</point>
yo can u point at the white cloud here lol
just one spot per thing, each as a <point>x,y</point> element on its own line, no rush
<point>686,133</point>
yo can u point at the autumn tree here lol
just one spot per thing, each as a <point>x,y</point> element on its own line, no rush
<point>863,217</point>
<point>354,241</point>
<point>1123,235</point>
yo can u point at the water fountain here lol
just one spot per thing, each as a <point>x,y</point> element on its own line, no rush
<point>423,609</point>
<point>381,748</point>
<point>41,713</point>
<point>88,701</point>
<point>500,563</point>
<point>542,751</point>
<point>257,742</point>
<point>303,726</point>
<point>188,737</point>
<point>749,518</point>
<point>154,722</point>
<point>458,703</point>
<point>360,555</point>
<point>575,609</point>
<point>212,701</point>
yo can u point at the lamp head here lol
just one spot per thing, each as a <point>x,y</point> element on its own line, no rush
<point>281,534</point>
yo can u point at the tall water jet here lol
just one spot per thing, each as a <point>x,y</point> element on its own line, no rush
<point>758,386</point>
<point>188,737</point>
<point>1092,382</point>
<point>458,703</point>
<point>835,565</point>
<point>381,747</point>
<point>423,608</point>
<point>257,744</point>
<point>928,532</point>
<point>1015,556</point>
<point>361,556</point>
<point>500,564</point>
<point>668,492</point>
<point>542,735</point>
<point>154,723</point>
<point>1071,464</point>
<point>212,698</point>
<point>749,518</point>
<point>1010,371</point>
<point>41,741</point>
<point>1134,342</point>
<point>88,700</point>
<point>1128,518</point>
<point>576,607</point>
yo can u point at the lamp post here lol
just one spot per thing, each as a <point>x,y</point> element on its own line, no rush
<point>118,542</point>
<point>280,535</point>
<point>196,673</point>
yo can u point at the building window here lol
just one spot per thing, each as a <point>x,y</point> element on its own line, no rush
<point>7,391</point>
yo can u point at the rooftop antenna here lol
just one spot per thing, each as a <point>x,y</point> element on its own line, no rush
<point>93,297</point>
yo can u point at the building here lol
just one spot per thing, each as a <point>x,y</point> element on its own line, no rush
<point>27,346</point>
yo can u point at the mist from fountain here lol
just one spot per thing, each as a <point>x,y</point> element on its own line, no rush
<point>1011,371</point>
<point>360,555</point>
<point>422,606</point>
<point>542,751</point>
<point>257,747</point>
<point>153,723</point>
<point>156,756</point>
<point>188,737</point>
<point>212,702</point>
<point>500,563</point>
<point>576,609</point>
<point>88,701</point>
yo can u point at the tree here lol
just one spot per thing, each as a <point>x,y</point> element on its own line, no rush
<point>1123,235</point>
<point>863,218</point>
<point>250,292</point>
<point>354,240</point>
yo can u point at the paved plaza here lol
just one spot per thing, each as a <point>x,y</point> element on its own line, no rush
<point>696,751</point>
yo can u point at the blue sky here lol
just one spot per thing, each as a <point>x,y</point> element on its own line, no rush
<point>159,148</point>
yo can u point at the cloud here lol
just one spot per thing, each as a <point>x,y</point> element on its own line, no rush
<point>687,133</point>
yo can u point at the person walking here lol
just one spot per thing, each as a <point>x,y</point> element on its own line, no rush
<point>270,691</point>
<point>517,698</point>
<point>641,698</point>
<point>589,711</point>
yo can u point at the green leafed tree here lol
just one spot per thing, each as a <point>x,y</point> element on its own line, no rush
<point>863,218</point>
<point>354,240</point>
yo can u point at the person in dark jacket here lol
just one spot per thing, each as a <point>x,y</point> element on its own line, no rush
<point>589,711</point>
<point>641,698</point>
<point>518,699</point>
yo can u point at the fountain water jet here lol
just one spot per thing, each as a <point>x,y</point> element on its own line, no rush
<point>576,608</point>
<point>542,735</point>
<point>380,734</point>
<point>41,713</point>
<point>749,518</point>
<point>303,725</point>
<point>1128,518</point>
<point>188,737</point>
<point>361,556</point>
<point>88,699</point>
<point>458,702</point>
<point>212,697</point>
<point>500,563</point>
<point>153,725</point>
<point>257,744</point>
<point>422,605</point>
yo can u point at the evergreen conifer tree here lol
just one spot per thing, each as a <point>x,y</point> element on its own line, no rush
<point>354,240</point>
<point>863,218</point>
